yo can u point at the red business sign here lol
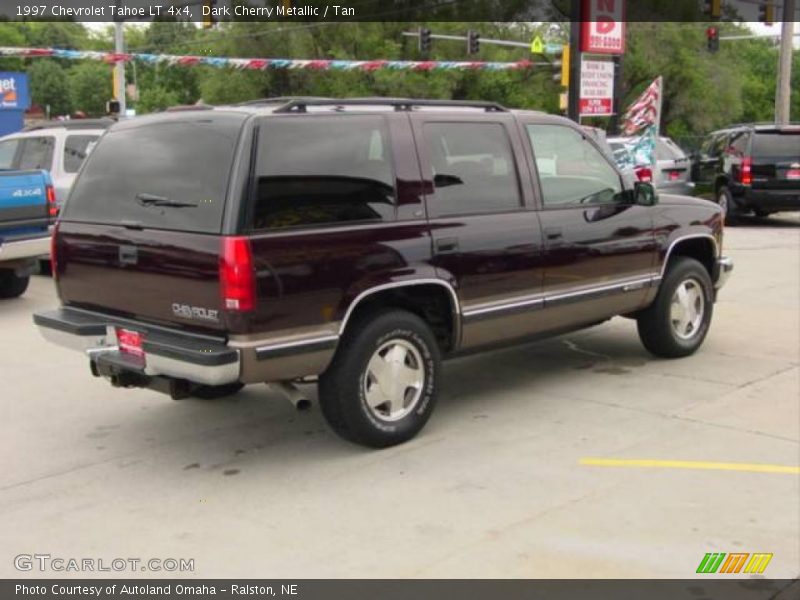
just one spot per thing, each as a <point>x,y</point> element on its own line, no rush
<point>596,107</point>
<point>603,27</point>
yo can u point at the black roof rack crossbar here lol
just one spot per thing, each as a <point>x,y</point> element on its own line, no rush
<point>279,100</point>
<point>399,104</point>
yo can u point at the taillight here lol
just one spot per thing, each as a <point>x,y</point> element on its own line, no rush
<point>237,274</point>
<point>644,174</point>
<point>54,252</point>
<point>52,206</point>
<point>674,175</point>
<point>746,171</point>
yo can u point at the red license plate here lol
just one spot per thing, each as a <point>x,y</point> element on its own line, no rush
<point>793,174</point>
<point>130,342</point>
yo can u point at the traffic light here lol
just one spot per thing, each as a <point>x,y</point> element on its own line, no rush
<point>766,13</point>
<point>712,39</point>
<point>473,42</point>
<point>424,40</point>
<point>562,64</point>
<point>209,19</point>
<point>713,8</point>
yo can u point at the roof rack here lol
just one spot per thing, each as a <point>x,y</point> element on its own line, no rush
<point>399,104</point>
<point>188,107</point>
<point>279,100</point>
<point>72,124</point>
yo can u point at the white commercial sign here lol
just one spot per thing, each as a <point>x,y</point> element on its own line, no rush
<point>597,88</point>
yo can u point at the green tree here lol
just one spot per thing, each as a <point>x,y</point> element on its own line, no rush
<point>155,98</point>
<point>90,84</point>
<point>49,85</point>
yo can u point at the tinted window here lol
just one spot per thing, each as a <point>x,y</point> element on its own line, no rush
<point>738,143</point>
<point>473,168</point>
<point>667,150</point>
<point>784,145</point>
<point>37,153</point>
<point>571,170</point>
<point>8,150</point>
<point>134,169</point>
<point>316,170</point>
<point>76,149</point>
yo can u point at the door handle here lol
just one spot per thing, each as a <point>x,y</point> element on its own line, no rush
<point>445,245</point>
<point>553,233</point>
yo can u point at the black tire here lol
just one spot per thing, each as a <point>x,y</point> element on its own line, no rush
<point>343,386</point>
<point>12,286</point>
<point>655,324</point>
<point>728,206</point>
<point>762,214</point>
<point>214,392</point>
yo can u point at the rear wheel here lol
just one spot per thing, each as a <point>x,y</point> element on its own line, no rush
<point>761,213</point>
<point>726,203</point>
<point>677,322</point>
<point>12,286</point>
<point>382,385</point>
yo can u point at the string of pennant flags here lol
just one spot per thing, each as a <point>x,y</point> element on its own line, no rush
<point>262,64</point>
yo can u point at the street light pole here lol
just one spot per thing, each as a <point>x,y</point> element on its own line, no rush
<point>119,67</point>
<point>783,86</point>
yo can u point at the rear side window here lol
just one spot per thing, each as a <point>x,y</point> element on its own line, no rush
<point>320,170</point>
<point>76,149</point>
<point>170,174</point>
<point>8,150</point>
<point>779,145</point>
<point>37,153</point>
<point>473,169</point>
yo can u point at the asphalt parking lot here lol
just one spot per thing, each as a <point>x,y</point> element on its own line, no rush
<point>507,480</point>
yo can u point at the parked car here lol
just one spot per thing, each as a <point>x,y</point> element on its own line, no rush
<point>362,241</point>
<point>673,167</point>
<point>27,205</point>
<point>60,147</point>
<point>751,168</point>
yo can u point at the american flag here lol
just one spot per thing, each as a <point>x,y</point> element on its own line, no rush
<point>645,110</point>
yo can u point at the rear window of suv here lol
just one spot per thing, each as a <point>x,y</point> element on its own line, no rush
<point>784,145</point>
<point>163,174</point>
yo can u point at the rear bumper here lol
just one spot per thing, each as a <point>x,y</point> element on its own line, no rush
<point>770,200</point>
<point>28,247</point>
<point>680,188</point>
<point>723,270</point>
<point>168,353</point>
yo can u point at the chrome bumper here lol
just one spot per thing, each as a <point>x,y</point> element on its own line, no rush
<point>724,268</point>
<point>166,353</point>
<point>27,248</point>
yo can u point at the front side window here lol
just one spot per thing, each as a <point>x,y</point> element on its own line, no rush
<point>8,150</point>
<point>76,149</point>
<point>571,170</point>
<point>473,169</point>
<point>320,170</point>
<point>37,153</point>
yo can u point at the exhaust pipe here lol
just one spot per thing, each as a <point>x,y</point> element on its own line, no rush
<point>295,396</point>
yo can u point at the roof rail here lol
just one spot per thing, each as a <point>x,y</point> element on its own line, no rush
<point>279,100</point>
<point>102,123</point>
<point>188,107</point>
<point>399,104</point>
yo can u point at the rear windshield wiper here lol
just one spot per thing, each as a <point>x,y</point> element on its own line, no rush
<point>153,200</point>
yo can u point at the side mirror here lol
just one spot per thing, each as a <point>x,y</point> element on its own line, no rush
<point>645,194</point>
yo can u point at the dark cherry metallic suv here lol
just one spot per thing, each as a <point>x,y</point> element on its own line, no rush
<point>363,241</point>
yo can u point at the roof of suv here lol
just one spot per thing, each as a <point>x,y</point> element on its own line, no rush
<point>72,124</point>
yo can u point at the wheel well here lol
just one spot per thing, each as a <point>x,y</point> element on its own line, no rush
<point>701,249</point>
<point>433,303</point>
<point>719,183</point>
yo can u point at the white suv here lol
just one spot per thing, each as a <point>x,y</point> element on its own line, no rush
<point>59,147</point>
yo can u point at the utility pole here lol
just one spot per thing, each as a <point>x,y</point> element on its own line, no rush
<point>783,87</point>
<point>119,68</point>
<point>574,91</point>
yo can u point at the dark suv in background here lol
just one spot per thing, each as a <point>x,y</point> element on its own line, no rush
<point>750,168</point>
<point>362,241</point>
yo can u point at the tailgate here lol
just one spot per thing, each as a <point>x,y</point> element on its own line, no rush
<point>23,203</point>
<point>776,160</point>
<point>163,277</point>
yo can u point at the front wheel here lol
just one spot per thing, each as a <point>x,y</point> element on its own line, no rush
<point>12,286</point>
<point>677,322</point>
<point>382,385</point>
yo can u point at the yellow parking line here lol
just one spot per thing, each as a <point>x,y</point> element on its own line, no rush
<point>689,464</point>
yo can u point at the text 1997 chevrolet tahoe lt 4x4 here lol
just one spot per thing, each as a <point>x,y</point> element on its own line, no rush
<point>362,241</point>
